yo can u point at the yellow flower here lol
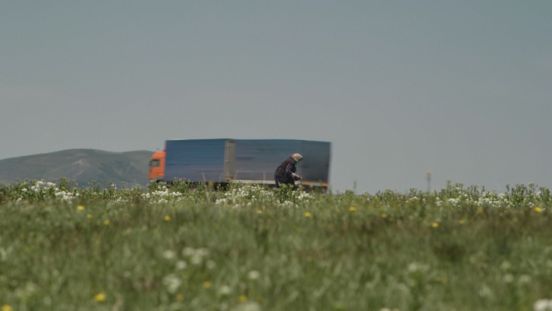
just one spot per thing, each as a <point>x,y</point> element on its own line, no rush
<point>352,209</point>
<point>89,216</point>
<point>7,308</point>
<point>462,221</point>
<point>259,211</point>
<point>308,214</point>
<point>167,218</point>
<point>80,208</point>
<point>538,210</point>
<point>179,297</point>
<point>243,298</point>
<point>100,297</point>
<point>383,215</point>
<point>435,225</point>
<point>207,284</point>
<point>107,222</point>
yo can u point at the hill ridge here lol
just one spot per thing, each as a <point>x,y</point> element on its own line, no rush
<point>81,165</point>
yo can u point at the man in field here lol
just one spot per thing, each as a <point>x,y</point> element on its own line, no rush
<point>285,173</point>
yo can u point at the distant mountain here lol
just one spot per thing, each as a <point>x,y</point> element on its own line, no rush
<point>84,166</point>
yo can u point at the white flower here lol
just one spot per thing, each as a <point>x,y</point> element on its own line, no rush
<point>225,290</point>
<point>524,279</point>
<point>412,199</point>
<point>253,275</point>
<point>196,255</point>
<point>64,195</point>
<point>172,283</point>
<point>188,251</point>
<point>211,264</point>
<point>543,305</point>
<point>248,306</point>
<point>508,278</point>
<point>181,265</point>
<point>161,196</point>
<point>221,201</point>
<point>453,201</point>
<point>505,265</point>
<point>196,260</point>
<point>169,254</point>
<point>287,204</point>
<point>417,267</point>
<point>485,292</point>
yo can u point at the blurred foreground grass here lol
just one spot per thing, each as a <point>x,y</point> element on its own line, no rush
<point>63,248</point>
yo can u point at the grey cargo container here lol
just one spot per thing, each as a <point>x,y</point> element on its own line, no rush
<point>244,160</point>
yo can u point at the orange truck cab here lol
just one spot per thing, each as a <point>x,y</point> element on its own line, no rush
<point>157,166</point>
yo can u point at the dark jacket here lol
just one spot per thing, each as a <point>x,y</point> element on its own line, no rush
<point>284,172</point>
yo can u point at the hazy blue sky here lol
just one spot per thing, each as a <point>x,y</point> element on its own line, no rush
<point>461,88</point>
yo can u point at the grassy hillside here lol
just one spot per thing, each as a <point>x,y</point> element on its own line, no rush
<point>83,166</point>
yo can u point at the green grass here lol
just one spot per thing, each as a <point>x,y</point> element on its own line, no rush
<point>255,249</point>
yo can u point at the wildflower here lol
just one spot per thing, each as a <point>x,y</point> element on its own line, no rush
<point>352,209</point>
<point>259,211</point>
<point>80,208</point>
<point>508,278</point>
<point>100,297</point>
<point>167,218</point>
<point>253,275</point>
<point>179,297</point>
<point>383,215</point>
<point>505,265</point>
<point>7,307</point>
<point>169,254</point>
<point>196,259</point>
<point>181,265</point>
<point>538,210</point>
<point>242,298</point>
<point>524,279</point>
<point>462,221</point>
<point>207,284</point>
<point>543,305</point>
<point>453,201</point>
<point>415,267</point>
<point>485,292</point>
<point>308,214</point>
<point>172,283</point>
<point>89,216</point>
<point>248,306</point>
<point>64,196</point>
<point>435,225</point>
<point>225,290</point>
<point>107,222</point>
<point>211,264</point>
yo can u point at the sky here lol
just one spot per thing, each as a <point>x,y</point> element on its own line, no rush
<point>461,89</point>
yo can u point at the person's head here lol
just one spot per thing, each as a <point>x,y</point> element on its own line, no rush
<point>297,157</point>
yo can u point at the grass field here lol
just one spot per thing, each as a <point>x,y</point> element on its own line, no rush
<point>460,248</point>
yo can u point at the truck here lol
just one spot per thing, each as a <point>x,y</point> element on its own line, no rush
<point>224,161</point>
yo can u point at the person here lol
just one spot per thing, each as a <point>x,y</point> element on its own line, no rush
<point>285,174</point>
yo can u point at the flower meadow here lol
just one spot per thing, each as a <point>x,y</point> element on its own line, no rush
<point>252,248</point>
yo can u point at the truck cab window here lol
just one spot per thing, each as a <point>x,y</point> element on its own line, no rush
<point>155,163</point>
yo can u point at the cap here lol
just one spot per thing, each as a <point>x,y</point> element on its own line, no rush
<point>297,157</point>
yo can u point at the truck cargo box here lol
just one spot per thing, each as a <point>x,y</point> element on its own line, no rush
<point>244,160</point>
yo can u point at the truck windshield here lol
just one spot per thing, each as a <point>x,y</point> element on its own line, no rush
<point>155,163</point>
